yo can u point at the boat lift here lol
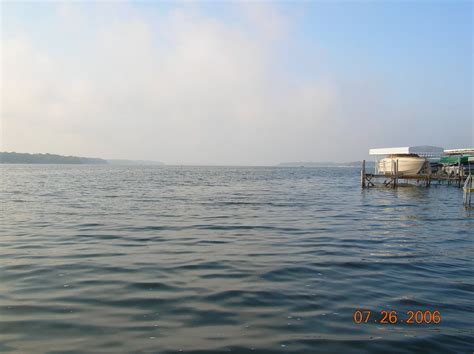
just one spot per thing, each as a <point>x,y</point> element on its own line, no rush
<point>426,177</point>
<point>392,177</point>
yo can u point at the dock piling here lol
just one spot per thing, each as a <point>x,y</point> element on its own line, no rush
<point>362,175</point>
<point>395,181</point>
<point>459,173</point>
<point>468,190</point>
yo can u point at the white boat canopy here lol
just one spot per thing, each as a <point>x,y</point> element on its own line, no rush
<point>459,151</point>
<point>419,150</point>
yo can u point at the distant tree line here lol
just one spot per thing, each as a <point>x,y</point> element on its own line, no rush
<point>15,157</point>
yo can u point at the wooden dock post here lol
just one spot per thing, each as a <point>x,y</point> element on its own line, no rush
<point>468,190</point>
<point>428,173</point>
<point>459,173</point>
<point>395,180</point>
<point>362,175</point>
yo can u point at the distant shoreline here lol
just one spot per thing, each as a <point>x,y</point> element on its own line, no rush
<point>27,158</point>
<point>53,159</point>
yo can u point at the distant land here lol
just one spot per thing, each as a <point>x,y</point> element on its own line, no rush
<point>25,158</point>
<point>326,164</point>
<point>133,162</point>
<point>16,157</point>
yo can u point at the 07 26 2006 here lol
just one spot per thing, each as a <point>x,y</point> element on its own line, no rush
<point>410,317</point>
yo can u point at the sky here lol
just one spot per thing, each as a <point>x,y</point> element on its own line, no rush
<point>235,83</point>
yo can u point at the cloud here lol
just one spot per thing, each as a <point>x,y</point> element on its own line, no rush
<point>182,87</point>
<point>240,83</point>
<point>265,18</point>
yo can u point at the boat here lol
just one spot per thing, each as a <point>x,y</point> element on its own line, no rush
<point>410,160</point>
<point>409,164</point>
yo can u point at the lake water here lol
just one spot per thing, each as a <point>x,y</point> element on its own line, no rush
<point>221,259</point>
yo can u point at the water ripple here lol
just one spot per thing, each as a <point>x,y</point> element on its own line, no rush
<point>216,260</point>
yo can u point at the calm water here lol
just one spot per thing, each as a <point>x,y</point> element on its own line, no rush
<point>245,260</point>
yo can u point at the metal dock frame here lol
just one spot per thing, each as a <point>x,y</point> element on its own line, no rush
<point>392,179</point>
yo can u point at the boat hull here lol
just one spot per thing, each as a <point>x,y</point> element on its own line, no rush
<point>410,165</point>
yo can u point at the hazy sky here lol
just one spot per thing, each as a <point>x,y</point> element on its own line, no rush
<point>235,82</point>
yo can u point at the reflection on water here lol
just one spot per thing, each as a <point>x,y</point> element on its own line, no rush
<point>198,259</point>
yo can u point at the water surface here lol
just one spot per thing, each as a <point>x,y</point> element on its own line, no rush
<point>221,259</point>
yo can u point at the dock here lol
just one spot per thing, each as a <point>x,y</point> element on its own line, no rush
<point>394,179</point>
<point>421,165</point>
